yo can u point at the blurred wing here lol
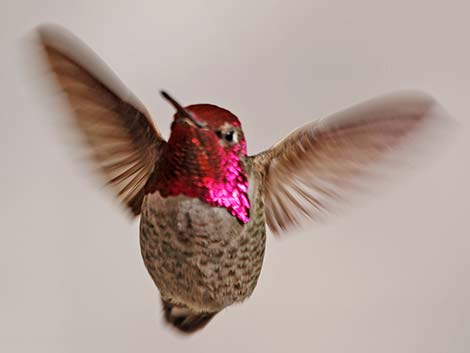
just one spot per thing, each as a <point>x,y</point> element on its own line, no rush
<point>319,162</point>
<point>124,142</point>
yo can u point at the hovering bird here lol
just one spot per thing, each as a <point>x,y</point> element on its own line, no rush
<point>203,201</point>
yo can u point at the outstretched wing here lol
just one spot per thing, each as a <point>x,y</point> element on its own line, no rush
<point>317,163</point>
<point>123,140</point>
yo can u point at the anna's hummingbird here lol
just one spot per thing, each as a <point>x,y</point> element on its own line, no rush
<point>203,201</point>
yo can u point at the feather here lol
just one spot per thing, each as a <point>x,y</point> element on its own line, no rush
<point>124,142</point>
<point>316,165</point>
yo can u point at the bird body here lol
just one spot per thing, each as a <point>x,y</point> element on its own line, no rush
<point>203,201</point>
<point>199,256</point>
<point>202,229</point>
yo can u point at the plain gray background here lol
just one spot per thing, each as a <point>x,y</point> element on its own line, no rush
<point>388,275</point>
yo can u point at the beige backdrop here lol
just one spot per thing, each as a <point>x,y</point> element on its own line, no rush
<point>390,275</point>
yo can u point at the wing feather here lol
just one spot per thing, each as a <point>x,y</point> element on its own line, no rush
<point>124,142</point>
<point>316,165</point>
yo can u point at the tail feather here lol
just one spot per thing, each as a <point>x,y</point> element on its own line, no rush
<point>184,319</point>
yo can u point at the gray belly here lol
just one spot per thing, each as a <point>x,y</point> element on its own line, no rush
<point>198,255</point>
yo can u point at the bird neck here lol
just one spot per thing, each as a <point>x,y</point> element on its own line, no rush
<point>217,177</point>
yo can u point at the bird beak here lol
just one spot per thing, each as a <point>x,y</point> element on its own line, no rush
<point>181,112</point>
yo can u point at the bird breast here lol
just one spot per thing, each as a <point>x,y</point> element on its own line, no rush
<point>200,255</point>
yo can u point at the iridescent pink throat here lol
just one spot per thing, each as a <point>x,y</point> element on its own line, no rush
<point>215,176</point>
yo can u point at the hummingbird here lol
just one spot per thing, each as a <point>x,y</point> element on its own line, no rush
<point>203,202</point>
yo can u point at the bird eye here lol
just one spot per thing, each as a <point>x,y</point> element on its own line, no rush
<point>228,136</point>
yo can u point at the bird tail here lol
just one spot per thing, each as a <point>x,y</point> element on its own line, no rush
<point>184,319</point>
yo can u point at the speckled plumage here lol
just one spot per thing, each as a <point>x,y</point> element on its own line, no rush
<point>202,256</point>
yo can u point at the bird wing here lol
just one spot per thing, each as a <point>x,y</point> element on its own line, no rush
<point>317,163</point>
<point>124,142</point>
